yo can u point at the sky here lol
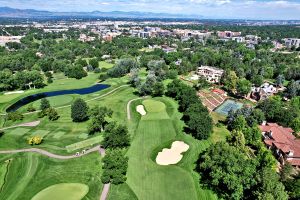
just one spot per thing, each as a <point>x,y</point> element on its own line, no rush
<point>215,9</point>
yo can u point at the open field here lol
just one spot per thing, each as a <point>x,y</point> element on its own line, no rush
<point>63,191</point>
<point>150,136</point>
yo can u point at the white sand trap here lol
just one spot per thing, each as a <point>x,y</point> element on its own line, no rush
<point>173,155</point>
<point>140,109</point>
<point>16,92</point>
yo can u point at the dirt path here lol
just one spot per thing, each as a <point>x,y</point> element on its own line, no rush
<point>28,124</point>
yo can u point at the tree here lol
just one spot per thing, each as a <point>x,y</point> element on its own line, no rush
<point>94,63</point>
<point>269,186</point>
<point>115,166</point>
<point>45,104</point>
<point>98,116</point>
<point>293,89</point>
<point>239,123</point>
<point>231,81</point>
<point>280,80</point>
<point>79,110</point>
<point>52,114</point>
<point>158,89</point>
<point>257,80</point>
<point>227,171</point>
<point>116,136</point>
<point>36,140</point>
<point>295,124</point>
<point>243,87</point>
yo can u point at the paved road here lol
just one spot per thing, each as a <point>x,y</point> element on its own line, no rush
<point>105,191</point>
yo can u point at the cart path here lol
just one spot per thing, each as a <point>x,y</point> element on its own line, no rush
<point>51,155</point>
<point>105,191</point>
<point>28,124</point>
<point>93,99</point>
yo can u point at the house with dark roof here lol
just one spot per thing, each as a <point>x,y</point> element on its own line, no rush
<point>282,142</point>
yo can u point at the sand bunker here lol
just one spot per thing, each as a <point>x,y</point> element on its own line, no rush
<point>16,92</point>
<point>173,155</point>
<point>140,109</point>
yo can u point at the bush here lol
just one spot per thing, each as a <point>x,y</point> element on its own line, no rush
<point>14,116</point>
<point>36,140</point>
<point>30,108</point>
<point>52,114</point>
<point>45,104</point>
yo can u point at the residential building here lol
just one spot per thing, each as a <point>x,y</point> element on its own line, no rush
<point>263,92</point>
<point>212,74</point>
<point>6,39</point>
<point>228,34</point>
<point>292,42</point>
<point>282,142</point>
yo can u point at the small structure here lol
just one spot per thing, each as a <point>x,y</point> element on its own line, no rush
<point>282,142</point>
<point>212,74</point>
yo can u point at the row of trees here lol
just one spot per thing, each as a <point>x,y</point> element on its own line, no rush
<point>195,115</point>
<point>115,139</point>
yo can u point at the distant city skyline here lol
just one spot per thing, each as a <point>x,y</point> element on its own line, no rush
<point>223,9</point>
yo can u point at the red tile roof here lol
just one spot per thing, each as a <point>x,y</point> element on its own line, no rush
<point>282,138</point>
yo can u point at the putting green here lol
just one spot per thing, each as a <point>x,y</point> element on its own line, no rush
<point>153,106</point>
<point>63,191</point>
<point>56,101</point>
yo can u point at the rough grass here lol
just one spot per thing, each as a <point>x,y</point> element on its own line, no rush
<point>86,143</point>
<point>63,191</point>
<point>58,134</point>
<point>18,131</point>
<point>41,133</point>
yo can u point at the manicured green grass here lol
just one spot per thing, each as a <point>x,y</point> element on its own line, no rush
<point>56,101</point>
<point>86,143</point>
<point>18,131</point>
<point>151,181</point>
<point>122,192</point>
<point>3,172</point>
<point>154,106</point>
<point>41,133</point>
<point>30,173</point>
<point>63,191</point>
<point>58,134</point>
<point>83,136</point>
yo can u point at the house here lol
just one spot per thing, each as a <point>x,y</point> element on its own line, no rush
<point>282,142</point>
<point>212,74</point>
<point>228,34</point>
<point>263,92</point>
<point>292,42</point>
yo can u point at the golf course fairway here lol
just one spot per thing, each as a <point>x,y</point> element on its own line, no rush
<point>63,191</point>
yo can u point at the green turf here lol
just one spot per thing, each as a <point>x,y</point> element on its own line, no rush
<point>30,173</point>
<point>84,144</point>
<point>83,136</point>
<point>122,192</point>
<point>151,181</point>
<point>153,106</point>
<point>63,191</point>
<point>41,133</point>
<point>3,172</point>
<point>58,135</point>
<point>56,101</point>
<point>19,131</point>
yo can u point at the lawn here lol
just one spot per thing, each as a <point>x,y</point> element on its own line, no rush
<point>63,191</point>
<point>31,173</point>
<point>85,143</point>
<point>149,180</point>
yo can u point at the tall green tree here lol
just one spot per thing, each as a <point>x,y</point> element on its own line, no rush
<point>79,110</point>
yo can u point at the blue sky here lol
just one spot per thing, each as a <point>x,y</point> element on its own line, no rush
<point>249,9</point>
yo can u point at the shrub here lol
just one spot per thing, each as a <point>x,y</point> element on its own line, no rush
<point>36,140</point>
<point>14,116</point>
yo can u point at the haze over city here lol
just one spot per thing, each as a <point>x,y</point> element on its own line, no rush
<point>222,9</point>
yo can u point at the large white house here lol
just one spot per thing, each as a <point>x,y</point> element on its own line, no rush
<point>290,42</point>
<point>212,74</point>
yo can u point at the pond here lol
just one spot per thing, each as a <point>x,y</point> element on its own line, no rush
<point>26,100</point>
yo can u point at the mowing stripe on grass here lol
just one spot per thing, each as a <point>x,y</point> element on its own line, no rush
<point>58,134</point>
<point>85,143</point>
<point>41,133</point>
<point>19,131</point>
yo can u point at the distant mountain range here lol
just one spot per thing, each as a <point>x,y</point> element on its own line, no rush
<point>6,12</point>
